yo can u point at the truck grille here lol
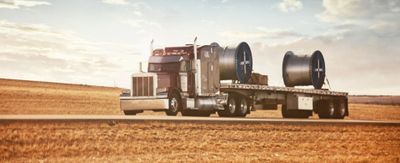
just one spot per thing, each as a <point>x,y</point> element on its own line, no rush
<point>143,85</point>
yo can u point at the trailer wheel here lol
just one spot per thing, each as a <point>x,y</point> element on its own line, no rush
<point>285,112</point>
<point>243,108</point>
<point>294,113</point>
<point>174,104</point>
<point>230,107</point>
<point>327,110</point>
<point>340,109</point>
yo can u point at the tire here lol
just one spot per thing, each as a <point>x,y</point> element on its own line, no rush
<point>327,110</point>
<point>196,113</point>
<point>243,108</point>
<point>230,107</point>
<point>340,109</point>
<point>294,113</point>
<point>174,104</point>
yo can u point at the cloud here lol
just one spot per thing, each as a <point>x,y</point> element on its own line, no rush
<point>40,52</point>
<point>137,8</point>
<point>339,10</point>
<point>261,32</point>
<point>224,1</point>
<point>271,35</point>
<point>16,4</point>
<point>379,16</point>
<point>360,46</point>
<point>290,5</point>
<point>142,23</point>
<point>116,2</point>
<point>358,61</point>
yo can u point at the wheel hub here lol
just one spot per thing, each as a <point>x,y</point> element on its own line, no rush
<point>342,110</point>
<point>243,106</point>
<point>232,106</point>
<point>174,104</point>
<point>331,110</point>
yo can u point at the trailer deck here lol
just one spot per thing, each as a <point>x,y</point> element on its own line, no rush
<point>255,87</point>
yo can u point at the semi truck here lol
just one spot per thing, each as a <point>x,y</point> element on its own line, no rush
<point>203,80</point>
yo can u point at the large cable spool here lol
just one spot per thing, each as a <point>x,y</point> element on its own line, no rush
<point>236,63</point>
<point>301,70</point>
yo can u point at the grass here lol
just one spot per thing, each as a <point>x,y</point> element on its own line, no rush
<point>357,111</point>
<point>92,141</point>
<point>28,97</point>
<point>196,142</point>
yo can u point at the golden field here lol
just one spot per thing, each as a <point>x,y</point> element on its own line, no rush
<point>152,141</point>
<point>90,141</point>
<point>357,112</point>
<point>30,97</point>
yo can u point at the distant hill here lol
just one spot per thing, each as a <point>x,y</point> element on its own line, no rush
<point>380,99</point>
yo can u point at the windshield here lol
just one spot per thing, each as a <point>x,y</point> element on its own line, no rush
<point>165,67</point>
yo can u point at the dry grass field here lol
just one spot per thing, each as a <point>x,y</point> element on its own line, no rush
<point>29,97</point>
<point>196,142</point>
<point>147,141</point>
<point>357,111</point>
<point>383,100</point>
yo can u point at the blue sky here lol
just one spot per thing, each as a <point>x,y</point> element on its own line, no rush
<point>100,42</point>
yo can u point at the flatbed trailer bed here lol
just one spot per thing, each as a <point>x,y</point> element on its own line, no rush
<point>256,87</point>
<point>295,102</point>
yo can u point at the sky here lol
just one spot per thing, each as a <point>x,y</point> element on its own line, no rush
<point>101,42</point>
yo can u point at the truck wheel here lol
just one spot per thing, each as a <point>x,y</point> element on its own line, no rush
<point>340,109</point>
<point>230,107</point>
<point>327,110</point>
<point>243,108</point>
<point>175,105</point>
<point>294,113</point>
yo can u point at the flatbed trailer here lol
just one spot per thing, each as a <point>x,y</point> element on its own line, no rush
<point>295,102</point>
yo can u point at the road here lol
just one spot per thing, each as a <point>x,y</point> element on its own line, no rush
<point>4,118</point>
